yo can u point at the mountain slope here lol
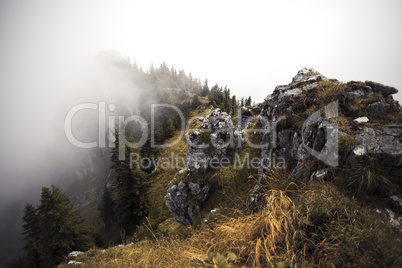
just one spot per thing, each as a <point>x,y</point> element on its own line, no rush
<point>311,211</point>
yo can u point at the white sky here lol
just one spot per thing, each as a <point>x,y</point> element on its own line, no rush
<point>250,46</point>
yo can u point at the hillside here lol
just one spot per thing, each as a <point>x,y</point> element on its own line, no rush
<point>309,177</point>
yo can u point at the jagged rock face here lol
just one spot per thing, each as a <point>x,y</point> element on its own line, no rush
<point>384,90</point>
<point>385,146</point>
<point>196,159</point>
<point>216,137</point>
<point>177,201</point>
<point>318,137</point>
<point>315,137</point>
<point>289,143</point>
<point>377,108</point>
<point>246,114</point>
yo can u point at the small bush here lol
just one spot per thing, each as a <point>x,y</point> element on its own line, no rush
<point>371,178</point>
<point>347,143</point>
<point>328,91</point>
<point>216,261</point>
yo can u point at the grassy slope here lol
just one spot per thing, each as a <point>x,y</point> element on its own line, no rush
<point>231,186</point>
<point>320,224</point>
<point>303,226</point>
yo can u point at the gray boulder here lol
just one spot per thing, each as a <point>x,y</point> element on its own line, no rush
<point>385,90</point>
<point>196,160</point>
<point>384,145</point>
<point>351,95</point>
<point>308,75</point>
<point>177,201</point>
<point>377,108</point>
<point>360,120</point>
<point>214,140</point>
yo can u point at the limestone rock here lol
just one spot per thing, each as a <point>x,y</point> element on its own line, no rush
<point>319,139</point>
<point>377,108</point>
<point>215,139</point>
<point>177,201</point>
<point>351,95</point>
<point>74,263</point>
<point>385,90</point>
<point>362,119</point>
<point>384,145</point>
<point>74,254</point>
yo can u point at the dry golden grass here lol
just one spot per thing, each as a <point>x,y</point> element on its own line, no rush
<point>256,239</point>
<point>310,226</point>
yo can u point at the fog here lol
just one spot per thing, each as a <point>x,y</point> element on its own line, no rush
<point>35,149</point>
<point>50,62</point>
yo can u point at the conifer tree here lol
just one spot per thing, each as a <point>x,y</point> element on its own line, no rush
<point>131,199</point>
<point>170,129</point>
<point>205,88</point>
<point>61,227</point>
<point>196,102</point>
<point>53,230</point>
<point>248,101</point>
<point>106,208</point>
<point>234,105</point>
<point>31,231</point>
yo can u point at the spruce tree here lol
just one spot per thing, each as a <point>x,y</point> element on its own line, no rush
<point>106,208</point>
<point>170,129</point>
<point>61,228</point>
<point>248,101</point>
<point>195,102</point>
<point>131,198</point>
<point>53,230</point>
<point>234,105</point>
<point>31,231</point>
<point>205,88</point>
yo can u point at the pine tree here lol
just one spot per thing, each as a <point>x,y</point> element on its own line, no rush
<point>131,198</point>
<point>205,88</point>
<point>30,218</point>
<point>248,101</point>
<point>183,94</point>
<point>196,102</point>
<point>53,230</point>
<point>234,105</point>
<point>106,208</point>
<point>61,228</point>
<point>31,231</point>
<point>227,103</point>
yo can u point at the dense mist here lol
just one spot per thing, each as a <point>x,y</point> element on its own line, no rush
<point>35,149</point>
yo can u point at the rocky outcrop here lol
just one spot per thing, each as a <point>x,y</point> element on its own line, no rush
<point>377,108</point>
<point>384,145</point>
<point>302,123</point>
<point>316,135</point>
<point>246,115</point>
<point>184,201</point>
<point>216,137</point>
<point>214,140</point>
<point>384,90</point>
<point>293,145</point>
